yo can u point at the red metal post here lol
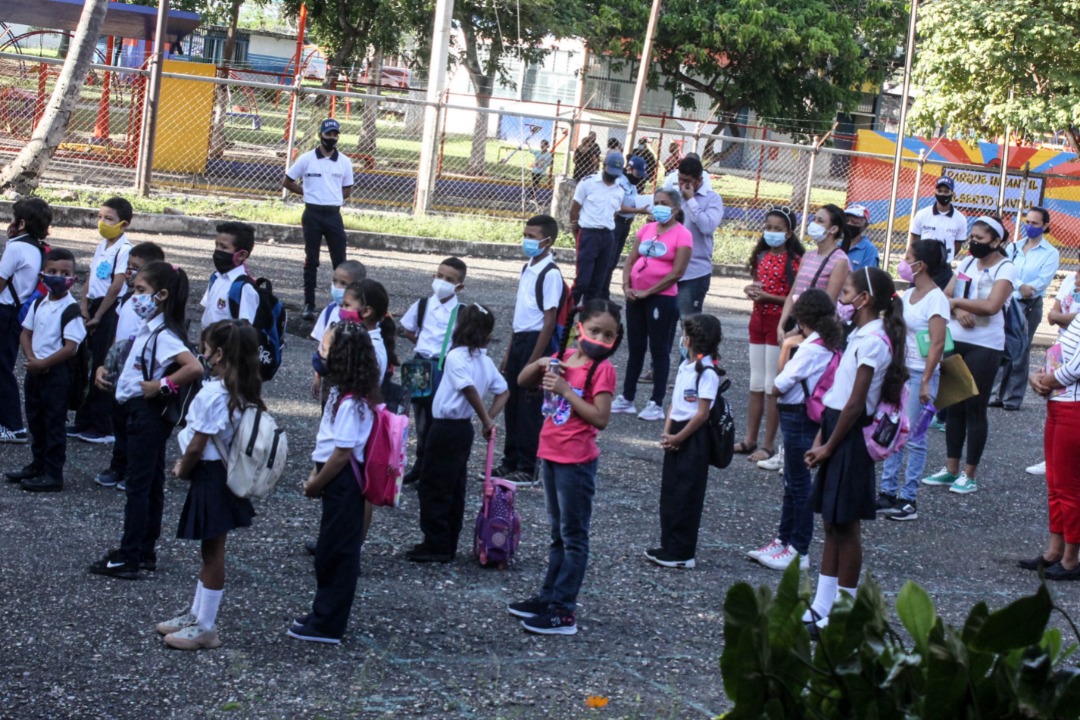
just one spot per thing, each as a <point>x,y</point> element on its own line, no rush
<point>348,101</point>
<point>333,98</point>
<point>101,126</point>
<point>42,86</point>
<point>296,70</point>
<point>442,139</point>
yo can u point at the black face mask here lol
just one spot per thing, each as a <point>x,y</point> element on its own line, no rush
<point>851,232</point>
<point>609,178</point>
<point>943,199</point>
<point>329,143</point>
<point>223,261</point>
<point>980,250</point>
<point>593,350</point>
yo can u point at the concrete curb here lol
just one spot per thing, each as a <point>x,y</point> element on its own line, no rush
<point>71,216</point>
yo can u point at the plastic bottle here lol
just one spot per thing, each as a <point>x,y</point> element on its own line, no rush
<point>922,422</point>
<point>551,400</point>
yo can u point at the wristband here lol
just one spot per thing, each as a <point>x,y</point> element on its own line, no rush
<point>168,387</point>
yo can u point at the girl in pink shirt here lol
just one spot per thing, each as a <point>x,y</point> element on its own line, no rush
<point>584,382</point>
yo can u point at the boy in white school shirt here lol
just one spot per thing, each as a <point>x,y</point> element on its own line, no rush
<point>232,248</point>
<point>52,331</point>
<point>427,324</point>
<point>345,274</point>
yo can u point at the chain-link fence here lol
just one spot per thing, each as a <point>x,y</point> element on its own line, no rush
<point>235,134</point>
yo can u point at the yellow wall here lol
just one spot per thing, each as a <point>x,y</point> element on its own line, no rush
<point>184,119</point>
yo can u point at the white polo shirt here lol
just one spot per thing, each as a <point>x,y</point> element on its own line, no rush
<point>689,389</point>
<point>599,202</point>
<point>322,176</point>
<point>430,337</point>
<point>865,347</point>
<point>328,318</point>
<point>108,262</point>
<point>947,228</point>
<point>44,322</point>
<point>209,414</point>
<point>167,346</point>
<point>344,425</point>
<point>528,317</point>
<point>19,266</point>
<point>807,364</point>
<point>464,368</point>
<point>127,322</point>
<point>215,300</point>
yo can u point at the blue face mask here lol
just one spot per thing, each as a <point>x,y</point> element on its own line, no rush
<point>1033,232</point>
<point>662,213</point>
<point>774,239</point>
<point>337,294</point>
<point>531,247</point>
<point>684,351</point>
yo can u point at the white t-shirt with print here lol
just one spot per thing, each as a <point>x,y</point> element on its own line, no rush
<point>989,331</point>
<point>917,318</point>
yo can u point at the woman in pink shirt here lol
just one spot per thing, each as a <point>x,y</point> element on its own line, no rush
<point>650,284</point>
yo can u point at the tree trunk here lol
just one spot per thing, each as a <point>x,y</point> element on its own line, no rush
<point>221,92</point>
<point>709,154</point>
<point>478,155</point>
<point>368,128</point>
<point>24,172</point>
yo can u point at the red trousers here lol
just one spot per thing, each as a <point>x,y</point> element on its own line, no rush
<point>1061,443</point>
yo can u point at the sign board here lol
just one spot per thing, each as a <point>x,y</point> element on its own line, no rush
<point>978,190</point>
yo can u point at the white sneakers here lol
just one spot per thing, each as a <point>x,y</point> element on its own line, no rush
<point>1039,469</point>
<point>652,412</point>
<point>776,462</point>
<point>624,406</point>
<point>771,548</point>
<point>777,556</point>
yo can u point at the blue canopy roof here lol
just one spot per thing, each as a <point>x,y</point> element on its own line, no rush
<point>121,19</point>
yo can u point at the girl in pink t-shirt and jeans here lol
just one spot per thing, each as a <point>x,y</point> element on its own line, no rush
<point>584,384</point>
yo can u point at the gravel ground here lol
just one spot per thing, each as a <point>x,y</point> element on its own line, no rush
<point>435,641</point>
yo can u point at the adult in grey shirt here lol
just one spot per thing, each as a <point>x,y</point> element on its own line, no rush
<point>702,212</point>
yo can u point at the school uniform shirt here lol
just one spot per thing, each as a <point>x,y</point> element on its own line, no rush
<point>464,368</point>
<point>345,424</point>
<point>1035,267</point>
<point>599,202</point>
<point>323,176</point>
<point>108,262</point>
<point>691,386</point>
<point>379,346</point>
<point>989,331</point>
<point>127,322</point>
<point>917,318</point>
<point>807,364</point>
<point>328,318</point>
<point>19,267</point>
<point>430,337</point>
<point>564,437</point>
<point>45,321</point>
<point>528,317</point>
<point>168,348</point>
<point>947,228</point>
<point>209,414</point>
<point>215,300</point>
<point>866,346</point>
<point>862,254</point>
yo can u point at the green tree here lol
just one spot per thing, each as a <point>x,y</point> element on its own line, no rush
<point>983,65</point>
<point>799,60</point>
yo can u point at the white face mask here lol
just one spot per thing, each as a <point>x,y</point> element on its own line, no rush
<point>443,289</point>
<point>816,231</point>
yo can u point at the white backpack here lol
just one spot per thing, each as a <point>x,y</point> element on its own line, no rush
<point>259,452</point>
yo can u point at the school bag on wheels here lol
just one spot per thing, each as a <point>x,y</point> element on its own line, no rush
<point>270,318</point>
<point>259,452</point>
<point>498,526</point>
<point>721,424</point>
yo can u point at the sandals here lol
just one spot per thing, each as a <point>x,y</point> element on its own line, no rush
<point>757,456</point>
<point>742,448</point>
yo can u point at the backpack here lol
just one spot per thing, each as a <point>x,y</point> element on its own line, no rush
<point>270,319</point>
<point>562,310</point>
<point>1016,328</point>
<point>174,407</point>
<point>258,455</point>
<point>888,430</point>
<point>498,525</point>
<point>815,401</point>
<point>41,291</point>
<point>384,457</point>
<point>79,363</point>
<point>721,424</point>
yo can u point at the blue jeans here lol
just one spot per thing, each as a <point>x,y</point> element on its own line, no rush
<point>692,295</point>
<point>914,449</point>
<point>797,515</point>
<point>568,491</point>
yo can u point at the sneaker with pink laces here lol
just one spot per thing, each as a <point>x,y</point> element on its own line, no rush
<point>774,546</point>
<point>780,560</point>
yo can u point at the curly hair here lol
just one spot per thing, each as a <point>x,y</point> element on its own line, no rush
<point>351,365</point>
<point>816,311</point>
<point>705,333</point>
<point>239,345</point>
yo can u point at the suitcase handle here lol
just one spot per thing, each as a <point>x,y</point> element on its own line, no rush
<point>489,487</point>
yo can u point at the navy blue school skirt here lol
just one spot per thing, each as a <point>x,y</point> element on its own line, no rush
<point>211,509</point>
<point>844,487</point>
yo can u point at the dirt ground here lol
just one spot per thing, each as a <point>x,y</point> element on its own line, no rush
<point>435,641</point>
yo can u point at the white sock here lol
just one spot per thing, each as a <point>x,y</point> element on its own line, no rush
<point>823,598</point>
<point>197,602</point>
<point>208,608</point>
<point>849,591</point>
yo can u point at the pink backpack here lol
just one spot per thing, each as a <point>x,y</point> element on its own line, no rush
<point>888,431</point>
<point>384,458</point>
<point>815,401</point>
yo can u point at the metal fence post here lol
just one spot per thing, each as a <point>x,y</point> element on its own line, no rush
<point>571,135</point>
<point>809,185</point>
<point>440,43</point>
<point>290,144</point>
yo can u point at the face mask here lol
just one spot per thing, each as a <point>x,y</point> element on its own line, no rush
<point>684,350</point>
<point>816,232</point>
<point>531,247</point>
<point>443,289</point>
<point>980,250</point>
<point>337,294</point>
<point>943,199</point>
<point>1033,232</point>
<point>57,284</point>
<point>662,213</point>
<point>144,306</point>
<point>349,316</point>
<point>905,272</point>
<point>593,349</point>
<point>224,261</point>
<point>852,232</point>
<point>329,143</point>
<point>774,239</point>
<point>609,178</point>
<point>110,232</point>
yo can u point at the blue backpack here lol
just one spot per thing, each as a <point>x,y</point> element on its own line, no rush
<point>269,321</point>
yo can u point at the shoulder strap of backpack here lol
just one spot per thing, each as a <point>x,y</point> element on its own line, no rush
<point>446,336</point>
<point>151,342</point>
<point>421,311</point>
<point>822,266</point>
<point>71,312</point>
<point>236,293</point>
<point>540,287</point>
<point>326,313</point>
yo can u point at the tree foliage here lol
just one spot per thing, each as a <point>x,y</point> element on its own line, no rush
<point>798,60</point>
<point>973,54</point>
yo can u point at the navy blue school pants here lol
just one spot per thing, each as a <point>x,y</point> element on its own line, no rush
<point>10,330</point>
<point>147,435</point>
<point>46,417</point>
<point>523,415</point>
<point>443,482</point>
<point>337,553</point>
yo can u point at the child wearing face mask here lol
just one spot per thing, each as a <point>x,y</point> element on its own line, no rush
<point>824,266</point>
<point>469,374</point>
<point>232,248</point>
<point>93,421</point>
<point>345,274</point>
<point>428,325</point>
<point>52,331</point>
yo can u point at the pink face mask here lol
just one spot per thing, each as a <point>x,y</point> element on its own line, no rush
<point>904,271</point>
<point>349,316</point>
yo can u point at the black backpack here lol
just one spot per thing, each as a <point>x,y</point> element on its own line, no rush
<point>270,318</point>
<point>79,363</point>
<point>173,408</point>
<point>721,424</point>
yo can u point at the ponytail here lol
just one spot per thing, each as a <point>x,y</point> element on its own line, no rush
<point>160,276</point>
